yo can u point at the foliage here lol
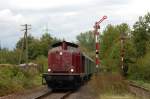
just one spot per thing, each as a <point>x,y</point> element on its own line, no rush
<point>142,83</point>
<point>136,47</point>
<point>125,96</point>
<point>45,42</point>
<point>36,46</point>
<point>87,43</point>
<point>110,46</point>
<point>139,69</point>
<point>19,78</point>
<point>137,55</point>
<point>9,57</point>
<point>141,34</point>
<point>43,62</point>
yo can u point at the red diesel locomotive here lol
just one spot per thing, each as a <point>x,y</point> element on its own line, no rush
<point>67,66</point>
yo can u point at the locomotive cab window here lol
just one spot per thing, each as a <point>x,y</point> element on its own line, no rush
<point>56,48</point>
<point>64,46</point>
<point>73,49</point>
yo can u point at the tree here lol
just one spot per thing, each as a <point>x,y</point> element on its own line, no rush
<point>110,46</point>
<point>36,47</point>
<point>141,34</point>
<point>45,41</point>
<point>33,45</point>
<point>21,42</point>
<point>140,70</point>
<point>87,43</point>
<point>9,57</point>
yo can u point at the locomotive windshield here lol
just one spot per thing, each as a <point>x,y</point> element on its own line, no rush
<point>65,46</point>
<point>67,43</point>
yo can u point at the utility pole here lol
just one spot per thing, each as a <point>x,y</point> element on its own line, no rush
<point>96,33</point>
<point>26,28</point>
<point>0,45</point>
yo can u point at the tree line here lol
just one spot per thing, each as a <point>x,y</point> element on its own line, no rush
<point>137,48</point>
<point>36,48</point>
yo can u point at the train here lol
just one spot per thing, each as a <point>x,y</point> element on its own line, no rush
<point>68,66</point>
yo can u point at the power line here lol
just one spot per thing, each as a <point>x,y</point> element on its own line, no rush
<point>46,29</point>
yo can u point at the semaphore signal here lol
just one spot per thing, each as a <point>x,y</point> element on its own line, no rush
<point>96,33</point>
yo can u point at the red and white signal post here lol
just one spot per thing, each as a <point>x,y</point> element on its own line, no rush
<point>96,33</point>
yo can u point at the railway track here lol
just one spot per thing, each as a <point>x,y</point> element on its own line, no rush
<point>139,91</point>
<point>67,95</point>
<point>55,95</point>
<point>44,95</point>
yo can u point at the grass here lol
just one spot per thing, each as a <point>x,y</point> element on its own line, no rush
<point>109,83</point>
<point>126,96</point>
<point>144,84</point>
<point>110,86</point>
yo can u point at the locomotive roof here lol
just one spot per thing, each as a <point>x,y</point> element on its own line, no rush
<point>68,43</point>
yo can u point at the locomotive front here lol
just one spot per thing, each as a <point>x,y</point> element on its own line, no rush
<point>64,65</point>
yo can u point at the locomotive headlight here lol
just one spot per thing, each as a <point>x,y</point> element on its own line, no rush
<point>72,70</point>
<point>60,53</point>
<point>49,70</point>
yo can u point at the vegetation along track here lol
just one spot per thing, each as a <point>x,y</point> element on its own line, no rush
<point>63,95</point>
<point>139,91</point>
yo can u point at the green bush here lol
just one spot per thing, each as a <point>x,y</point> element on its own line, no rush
<point>42,61</point>
<point>140,70</point>
<point>9,57</point>
<point>14,79</point>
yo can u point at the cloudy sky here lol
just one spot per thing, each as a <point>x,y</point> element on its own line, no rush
<point>64,18</point>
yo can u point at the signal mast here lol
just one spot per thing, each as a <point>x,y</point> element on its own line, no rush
<point>96,33</point>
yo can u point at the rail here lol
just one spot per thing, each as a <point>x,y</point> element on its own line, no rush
<point>44,95</point>
<point>139,91</point>
<point>51,94</point>
<point>67,95</point>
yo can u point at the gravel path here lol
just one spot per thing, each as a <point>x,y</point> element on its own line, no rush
<point>85,92</point>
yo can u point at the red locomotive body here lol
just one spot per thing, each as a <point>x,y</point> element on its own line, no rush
<point>67,65</point>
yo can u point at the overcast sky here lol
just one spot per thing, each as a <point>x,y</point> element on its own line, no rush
<point>64,18</point>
